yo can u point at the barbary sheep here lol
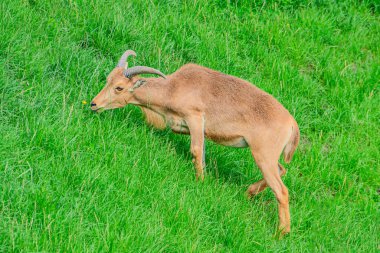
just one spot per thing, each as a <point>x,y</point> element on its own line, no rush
<point>208,104</point>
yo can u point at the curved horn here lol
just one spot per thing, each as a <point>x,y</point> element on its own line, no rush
<point>142,70</point>
<point>123,59</point>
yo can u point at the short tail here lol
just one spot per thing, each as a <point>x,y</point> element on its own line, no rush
<point>292,144</point>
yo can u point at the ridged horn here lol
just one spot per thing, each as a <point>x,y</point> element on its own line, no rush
<point>123,59</point>
<point>142,70</point>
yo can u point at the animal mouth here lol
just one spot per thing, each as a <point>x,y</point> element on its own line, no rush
<point>98,110</point>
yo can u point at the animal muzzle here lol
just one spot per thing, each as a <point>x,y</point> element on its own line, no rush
<point>94,107</point>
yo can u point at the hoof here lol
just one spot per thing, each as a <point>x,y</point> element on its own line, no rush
<point>282,231</point>
<point>200,177</point>
<point>253,190</point>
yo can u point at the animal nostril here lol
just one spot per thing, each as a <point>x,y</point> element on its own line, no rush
<point>93,104</point>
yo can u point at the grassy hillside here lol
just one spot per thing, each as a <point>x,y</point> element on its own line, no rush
<point>71,180</point>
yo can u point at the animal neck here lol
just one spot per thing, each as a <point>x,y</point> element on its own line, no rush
<point>151,94</point>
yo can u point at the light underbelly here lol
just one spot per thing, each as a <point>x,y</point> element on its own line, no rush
<point>178,125</point>
<point>238,142</point>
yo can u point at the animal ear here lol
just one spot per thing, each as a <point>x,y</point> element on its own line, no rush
<point>137,84</point>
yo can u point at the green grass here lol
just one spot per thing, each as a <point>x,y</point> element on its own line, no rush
<point>72,180</point>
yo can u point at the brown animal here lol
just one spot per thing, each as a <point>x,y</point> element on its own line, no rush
<point>208,104</point>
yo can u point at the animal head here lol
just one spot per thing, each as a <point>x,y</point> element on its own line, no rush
<point>120,84</point>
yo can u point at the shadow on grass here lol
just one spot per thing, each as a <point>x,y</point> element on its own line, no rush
<point>218,166</point>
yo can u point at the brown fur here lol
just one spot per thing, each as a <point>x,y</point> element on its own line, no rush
<point>208,104</point>
<point>153,118</point>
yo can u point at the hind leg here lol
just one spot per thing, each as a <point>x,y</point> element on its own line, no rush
<point>269,168</point>
<point>261,185</point>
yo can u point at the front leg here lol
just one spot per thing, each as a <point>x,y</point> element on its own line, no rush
<point>196,127</point>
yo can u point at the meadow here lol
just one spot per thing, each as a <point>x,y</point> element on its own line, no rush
<point>75,181</point>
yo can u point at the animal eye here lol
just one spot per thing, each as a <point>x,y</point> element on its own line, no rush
<point>119,88</point>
